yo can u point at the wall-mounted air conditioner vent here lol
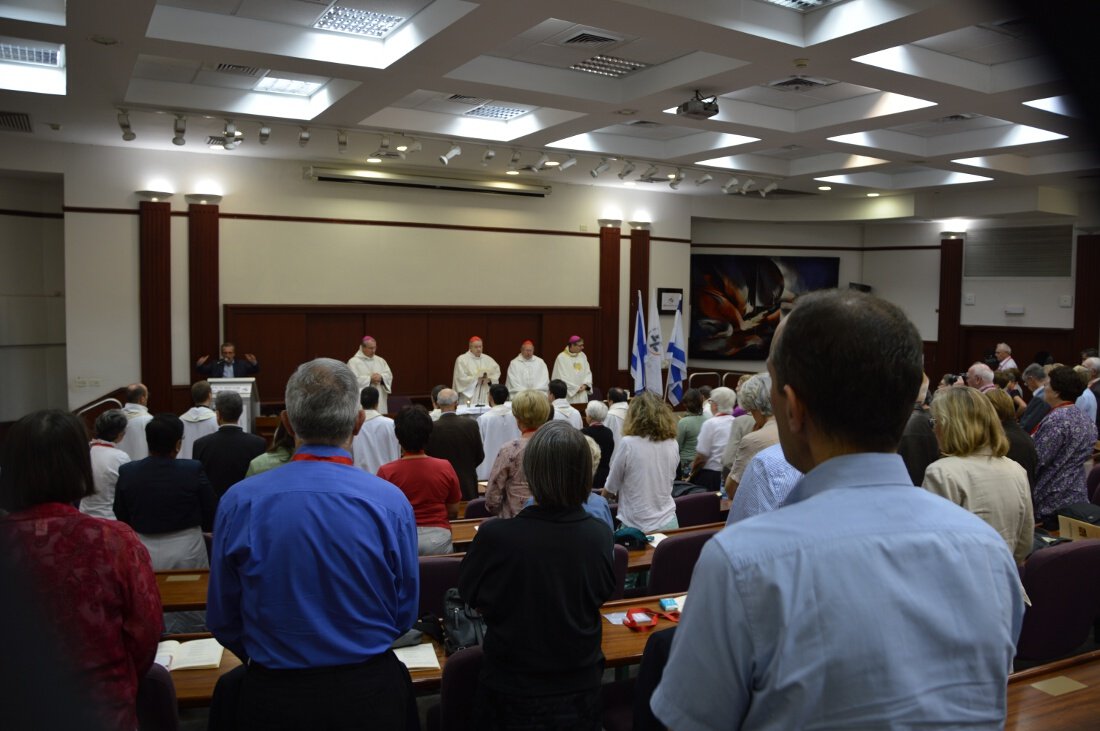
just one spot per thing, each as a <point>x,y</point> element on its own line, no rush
<point>239,70</point>
<point>800,83</point>
<point>1033,251</point>
<point>15,122</point>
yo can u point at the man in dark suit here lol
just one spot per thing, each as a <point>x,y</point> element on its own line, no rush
<point>228,366</point>
<point>225,454</point>
<point>458,440</point>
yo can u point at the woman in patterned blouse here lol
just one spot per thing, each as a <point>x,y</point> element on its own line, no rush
<point>1063,440</point>
<point>507,491</point>
<point>92,577</point>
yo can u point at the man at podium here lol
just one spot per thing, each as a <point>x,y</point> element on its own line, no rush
<point>228,366</point>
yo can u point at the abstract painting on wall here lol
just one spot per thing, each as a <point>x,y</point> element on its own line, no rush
<point>737,301</point>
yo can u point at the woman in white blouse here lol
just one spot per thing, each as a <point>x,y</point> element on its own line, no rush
<point>643,466</point>
<point>974,471</point>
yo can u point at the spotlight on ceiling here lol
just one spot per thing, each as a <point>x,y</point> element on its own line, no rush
<point>542,162</point>
<point>265,134</point>
<point>704,179</point>
<point>414,147</point>
<point>768,189</point>
<point>628,168</point>
<point>650,173</point>
<point>730,184</point>
<point>489,155</point>
<point>180,128</point>
<point>450,154</point>
<point>342,141</point>
<point>231,135</point>
<point>513,164</point>
<point>567,163</point>
<point>675,179</point>
<point>303,136</point>
<point>601,168</point>
<point>124,125</point>
<point>747,186</point>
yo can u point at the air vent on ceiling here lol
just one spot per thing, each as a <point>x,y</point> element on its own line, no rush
<point>800,83</point>
<point>218,141</point>
<point>473,101</point>
<point>38,56</point>
<point>15,122</point>
<point>642,123</point>
<point>1033,251</point>
<point>323,3</point>
<point>492,111</point>
<point>590,40</point>
<point>957,117</point>
<point>604,65</point>
<point>234,68</point>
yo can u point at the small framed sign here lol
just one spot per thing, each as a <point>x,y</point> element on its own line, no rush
<point>668,300</point>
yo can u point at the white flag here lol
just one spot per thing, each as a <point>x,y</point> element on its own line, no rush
<point>655,351</point>
<point>677,369</point>
<point>637,350</point>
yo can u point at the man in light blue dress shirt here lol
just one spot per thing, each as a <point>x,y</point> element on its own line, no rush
<point>767,481</point>
<point>862,602</point>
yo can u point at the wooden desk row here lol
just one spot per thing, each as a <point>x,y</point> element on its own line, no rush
<point>185,589</point>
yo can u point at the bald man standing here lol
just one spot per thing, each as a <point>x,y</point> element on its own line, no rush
<point>372,370</point>
<point>474,373</point>
<point>527,371</point>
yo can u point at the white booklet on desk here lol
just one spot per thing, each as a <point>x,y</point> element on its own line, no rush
<point>192,655</point>
<point>418,657</point>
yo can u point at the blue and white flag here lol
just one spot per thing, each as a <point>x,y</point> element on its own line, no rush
<point>677,367</point>
<point>655,352</point>
<point>638,350</point>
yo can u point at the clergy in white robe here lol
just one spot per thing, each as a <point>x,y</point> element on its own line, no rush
<point>376,442</point>
<point>572,367</point>
<point>497,426</point>
<point>372,370</point>
<point>560,408</point>
<point>616,412</point>
<point>137,416</point>
<point>474,373</point>
<point>199,420</point>
<point>527,371</point>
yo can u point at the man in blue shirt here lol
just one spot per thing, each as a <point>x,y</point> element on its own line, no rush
<point>861,602</point>
<point>767,481</point>
<point>314,573</point>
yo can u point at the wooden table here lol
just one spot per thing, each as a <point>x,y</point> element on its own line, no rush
<point>183,589</point>
<point>642,560</point>
<point>621,646</point>
<point>1030,709</point>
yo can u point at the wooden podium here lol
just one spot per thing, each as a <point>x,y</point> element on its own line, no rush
<point>249,393</point>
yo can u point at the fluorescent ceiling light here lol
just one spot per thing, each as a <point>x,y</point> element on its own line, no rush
<point>1056,104</point>
<point>294,87</point>
<point>873,195</point>
<point>35,53</point>
<point>611,66</point>
<point>32,66</point>
<point>803,6</point>
<point>496,112</point>
<point>359,22</point>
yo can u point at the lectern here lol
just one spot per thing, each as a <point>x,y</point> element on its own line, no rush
<point>250,395</point>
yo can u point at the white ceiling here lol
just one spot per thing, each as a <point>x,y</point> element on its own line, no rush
<point>912,87</point>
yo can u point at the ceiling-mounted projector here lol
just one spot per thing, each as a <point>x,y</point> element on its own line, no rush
<point>698,107</point>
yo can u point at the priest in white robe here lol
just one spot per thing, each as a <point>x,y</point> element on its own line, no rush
<point>497,426</point>
<point>527,371</point>
<point>376,443</point>
<point>560,408</point>
<point>372,370</point>
<point>199,420</point>
<point>474,373</point>
<point>616,412</point>
<point>572,367</point>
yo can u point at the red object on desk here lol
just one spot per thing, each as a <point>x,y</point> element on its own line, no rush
<point>640,626</point>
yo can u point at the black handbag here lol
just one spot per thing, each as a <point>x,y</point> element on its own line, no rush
<point>463,626</point>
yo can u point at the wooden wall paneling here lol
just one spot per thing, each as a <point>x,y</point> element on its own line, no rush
<point>950,309</point>
<point>978,341</point>
<point>1086,313</point>
<point>639,272</point>
<point>403,341</point>
<point>335,335</point>
<point>449,333</point>
<point>557,327</point>
<point>154,272</point>
<point>931,362</point>
<point>604,353</point>
<point>181,399</point>
<point>508,331</point>
<point>202,280</point>
<point>278,339</point>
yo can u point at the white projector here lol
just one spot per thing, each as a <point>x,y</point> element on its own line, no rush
<point>698,109</point>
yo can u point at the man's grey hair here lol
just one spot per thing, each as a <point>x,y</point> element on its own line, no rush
<point>756,394</point>
<point>724,399</point>
<point>1093,364</point>
<point>229,405</point>
<point>596,410</point>
<point>1004,347</point>
<point>447,397</point>
<point>322,401</point>
<point>983,372</point>
<point>1036,372</point>
<point>110,425</point>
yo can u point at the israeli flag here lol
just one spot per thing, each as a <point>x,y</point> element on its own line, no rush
<point>638,350</point>
<point>677,369</point>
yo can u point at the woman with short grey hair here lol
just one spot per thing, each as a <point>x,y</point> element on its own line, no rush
<point>761,433</point>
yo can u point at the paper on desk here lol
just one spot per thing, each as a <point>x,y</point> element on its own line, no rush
<point>615,617</point>
<point>182,577</point>
<point>656,538</point>
<point>418,657</point>
<point>1058,686</point>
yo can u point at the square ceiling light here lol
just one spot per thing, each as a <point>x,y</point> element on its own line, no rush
<point>33,66</point>
<point>294,87</point>
<point>359,22</point>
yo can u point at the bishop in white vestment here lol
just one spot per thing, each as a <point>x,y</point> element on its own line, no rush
<point>474,373</point>
<point>372,370</point>
<point>572,367</point>
<point>527,371</point>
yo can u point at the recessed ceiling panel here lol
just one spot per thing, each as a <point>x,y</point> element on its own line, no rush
<point>795,100</point>
<point>950,125</point>
<point>648,130</point>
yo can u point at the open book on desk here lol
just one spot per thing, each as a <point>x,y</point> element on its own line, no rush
<point>191,655</point>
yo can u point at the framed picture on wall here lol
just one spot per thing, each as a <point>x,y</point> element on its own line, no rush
<point>668,300</point>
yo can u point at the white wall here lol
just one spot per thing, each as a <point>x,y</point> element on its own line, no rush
<point>32,297</point>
